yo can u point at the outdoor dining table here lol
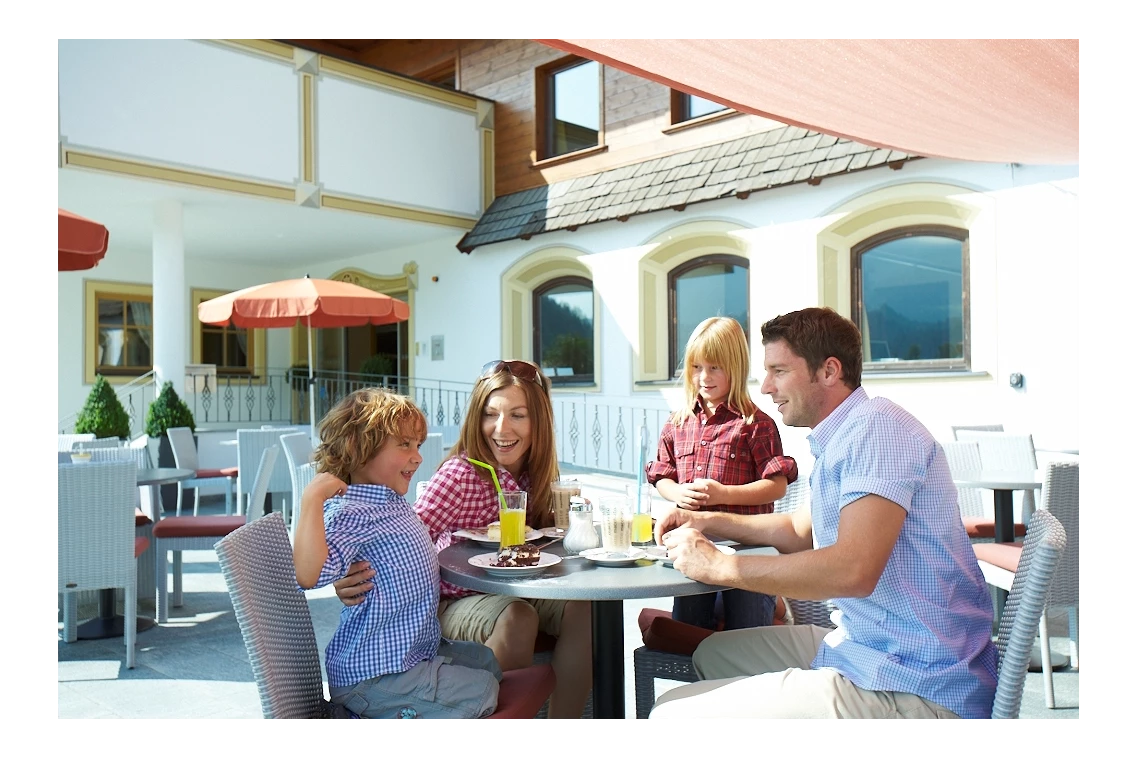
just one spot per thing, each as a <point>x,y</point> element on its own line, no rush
<point>576,578</point>
<point>109,623</point>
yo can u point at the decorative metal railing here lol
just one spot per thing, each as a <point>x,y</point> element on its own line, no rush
<point>601,433</point>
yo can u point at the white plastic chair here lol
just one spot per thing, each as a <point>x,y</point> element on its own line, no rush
<point>97,545</point>
<point>185,456</point>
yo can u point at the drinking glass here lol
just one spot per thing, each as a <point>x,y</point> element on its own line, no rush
<point>616,513</point>
<point>641,496</point>
<point>563,489</point>
<point>511,513</point>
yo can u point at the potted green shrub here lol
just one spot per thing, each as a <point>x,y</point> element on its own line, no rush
<point>167,410</point>
<point>103,414</point>
<point>377,367</point>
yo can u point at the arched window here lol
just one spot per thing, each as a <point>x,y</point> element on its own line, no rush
<point>563,332</point>
<point>712,285</point>
<point>910,296</point>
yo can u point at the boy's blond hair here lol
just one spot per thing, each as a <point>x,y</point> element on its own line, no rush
<point>719,341</point>
<point>356,428</point>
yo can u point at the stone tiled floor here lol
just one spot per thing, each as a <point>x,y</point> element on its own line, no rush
<point>196,665</point>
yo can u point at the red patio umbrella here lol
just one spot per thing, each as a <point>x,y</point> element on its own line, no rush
<point>317,303</point>
<point>82,242</point>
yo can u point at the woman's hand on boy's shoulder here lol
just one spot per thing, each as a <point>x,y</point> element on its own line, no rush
<point>351,589</point>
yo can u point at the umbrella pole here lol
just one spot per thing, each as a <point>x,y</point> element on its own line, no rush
<point>312,390</point>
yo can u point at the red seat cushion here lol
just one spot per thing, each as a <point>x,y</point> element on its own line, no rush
<point>1005,555</point>
<point>140,518</point>
<point>197,526</point>
<point>523,691</point>
<point>978,526</point>
<point>665,634</point>
<point>213,473</point>
<point>140,545</point>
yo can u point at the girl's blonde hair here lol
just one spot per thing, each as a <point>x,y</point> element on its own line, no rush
<point>718,341</point>
<point>356,428</point>
<point>541,460</point>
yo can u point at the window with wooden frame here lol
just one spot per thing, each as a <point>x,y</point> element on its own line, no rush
<point>686,107</point>
<point>563,330</point>
<point>712,285</point>
<point>123,329</point>
<point>910,299</point>
<point>232,349</point>
<point>569,107</point>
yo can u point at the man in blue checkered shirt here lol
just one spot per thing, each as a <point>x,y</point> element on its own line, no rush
<point>882,538</point>
<point>387,658</point>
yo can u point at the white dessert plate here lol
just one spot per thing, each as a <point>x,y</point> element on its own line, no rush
<point>485,560</point>
<point>606,558</point>
<point>481,535</point>
<point>724,549</point>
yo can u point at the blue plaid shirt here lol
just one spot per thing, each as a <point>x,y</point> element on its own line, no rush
<point>396,625</point>
<point>926,628</point>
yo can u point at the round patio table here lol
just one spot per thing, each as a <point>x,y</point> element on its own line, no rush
<point>109,623</point>
<point>576,578</point>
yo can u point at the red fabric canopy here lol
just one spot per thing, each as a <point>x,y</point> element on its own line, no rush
<point>317,303</point>
<point>82,242</point>
<point>1002,101</point>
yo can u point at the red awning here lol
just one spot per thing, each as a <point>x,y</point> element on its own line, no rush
<point>1002,101</point>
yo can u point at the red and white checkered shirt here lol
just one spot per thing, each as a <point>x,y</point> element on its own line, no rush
<point>457,498</point>
<point>724,448</point>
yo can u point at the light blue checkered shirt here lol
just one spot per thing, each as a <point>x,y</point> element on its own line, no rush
<point>396,625</point>
<point>926,628</point>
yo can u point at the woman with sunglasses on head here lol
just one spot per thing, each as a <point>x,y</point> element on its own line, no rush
<point>509,425</point>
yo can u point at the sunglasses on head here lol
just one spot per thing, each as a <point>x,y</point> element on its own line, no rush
<point>520,369</point>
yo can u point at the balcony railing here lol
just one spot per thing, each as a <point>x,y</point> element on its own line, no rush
<point>597,433</point>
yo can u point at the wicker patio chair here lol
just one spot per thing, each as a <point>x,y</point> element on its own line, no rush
<point>276,625</point>
<point>1000,562</point>
<point>185,456</point>
<point>100,443</point>
<point>178,533</point>
<point>144,513</point>
<point>963,457</point>
<point>1006,451</point>
<point>302,475</point>
<point>67,441</point>
<point>250,444</point>
<point>97,544</point>
<point>431,452</point>
<point>955,430</point>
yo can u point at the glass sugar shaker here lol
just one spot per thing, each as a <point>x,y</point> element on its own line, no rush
<point>581,534</point>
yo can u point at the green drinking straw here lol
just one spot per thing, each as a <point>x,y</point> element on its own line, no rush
<point>493,473</point>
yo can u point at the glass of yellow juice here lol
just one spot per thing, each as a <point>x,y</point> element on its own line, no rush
<point>512,517</point>
<point>642,521</point>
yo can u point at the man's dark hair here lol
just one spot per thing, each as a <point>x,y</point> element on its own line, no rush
<point>816,334</point>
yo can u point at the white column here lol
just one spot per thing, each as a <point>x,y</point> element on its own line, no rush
<point>171,296</point>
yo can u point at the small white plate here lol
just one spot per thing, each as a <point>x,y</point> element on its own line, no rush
<point>552,531</point>
<point>666,560</point>
<point>485,560</point>
<point>480,535</point>
<point>605,558</point>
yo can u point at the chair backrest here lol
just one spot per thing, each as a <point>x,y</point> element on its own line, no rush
<point>183,447</point>
<point>67,441</point>
<point>301,476</point>
<point>1002,450</point>
<point>420,488</point>
<point>297,449</point>
<point>140,457</point>
<point>1060,497</point>
<point>260,483</point>
<point>250,444</point>
<point>804,611</point>
<point>1018,626</point>
<point>142,442</point>
<point>96,525</point>
<point>431,452</point>
<point>963,457</point>
<point>101,443</point>
<point>276,625</point>
<point>976,428</point>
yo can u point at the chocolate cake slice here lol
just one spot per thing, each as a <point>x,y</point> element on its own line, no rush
<point>518,555</point>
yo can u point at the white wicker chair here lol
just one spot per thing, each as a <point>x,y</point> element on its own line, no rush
<point>67,441</point>
<point>97,544</point>
<point>955,430</point>
<point>1000,562</point>
<point>963,457</point>
<point>301,476</point>
<point>431,452</point>
<point>185,456</point>
<point>100,443</point>
<point>1005,451</point>
<point>250,444</point>
<point>178,533</point>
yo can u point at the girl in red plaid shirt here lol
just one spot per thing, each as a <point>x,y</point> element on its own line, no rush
<point>721,453</point>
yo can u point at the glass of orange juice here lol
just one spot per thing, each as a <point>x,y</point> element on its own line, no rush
<point>511,513</point>
<point>641,521</point>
